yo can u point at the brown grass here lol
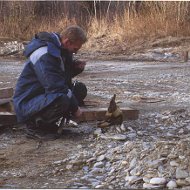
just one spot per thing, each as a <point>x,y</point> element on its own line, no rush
<point>152,20</point>
<point>157,20</point>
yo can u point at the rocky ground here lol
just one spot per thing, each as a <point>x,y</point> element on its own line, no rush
<point>151,152</point>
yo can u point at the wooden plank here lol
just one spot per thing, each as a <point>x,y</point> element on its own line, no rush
<point>5,101</point>
<point>6,105</point>
<point>89,114</point>
<point>7,118</point>
<point>6,93</point>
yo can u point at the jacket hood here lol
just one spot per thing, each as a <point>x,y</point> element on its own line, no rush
<point>52,40</point>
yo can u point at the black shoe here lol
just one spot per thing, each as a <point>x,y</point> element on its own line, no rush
<point>41,133</point>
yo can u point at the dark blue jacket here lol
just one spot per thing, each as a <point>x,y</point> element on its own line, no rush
<point>47,75</point>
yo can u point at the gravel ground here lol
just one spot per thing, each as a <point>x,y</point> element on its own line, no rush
<point>151,152</point>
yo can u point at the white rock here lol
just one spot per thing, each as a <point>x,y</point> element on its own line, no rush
<point>99,187</point>
<point>131,179</point>
<point>123,127</point>
<point>158,181</point>
<point>181,157</point>
<point>133,163</point>
<point>181,131</point>
<point>146,179</point>
<point>57,162</point>
<point>114,137</point>
<point>187,179</point>
<point>174,163</point>
<point>68,167</point>
<point>171,184</point>
<point>119,137</point>
<point>79,146</point>
<point>124,163</point>
<point>98,165</point>
<point>98,131</point>
<point>118,129</point>
<point>150,186</point>
<point>134,171</point>
<point>100,158</point>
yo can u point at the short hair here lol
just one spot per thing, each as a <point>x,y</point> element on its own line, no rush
<point>74,33</point>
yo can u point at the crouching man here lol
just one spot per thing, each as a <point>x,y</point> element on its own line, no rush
<point>44,91</point>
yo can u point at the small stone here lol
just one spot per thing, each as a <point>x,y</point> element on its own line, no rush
<point>100,158</point>
<point>98,131</point>
<point>96,183</point>
<point>68,167</point>
<point>111,172</point>
<point>133,163</point>
<point>150,186</point>
<point>124,163</point>
<point>99,187</point>
<point>172,156</point>
<point>57,162</point>
<point>181,131</point>
<point>181,157</point>
<point>181,173</point>
<point>182,182</point>
<point>132,179</point>
<point>140,133</point>
<point>171,184</point>
<point>79,146</point>
<point>83,187</point>
<point>174,163</point>
<point>119,137</point>
<point>154,163</point>
<point>91,159</point>
<point>149,175</point>
<point>100,177</point>
<point>96,171</point>
<point>158,181</point>
<point>123,127</point>
<point>188,127</point>
<point>146,179</point>
<point>118,129</point>
<point>85,168</point>
<point>187,179</point>
<point>98,165</point>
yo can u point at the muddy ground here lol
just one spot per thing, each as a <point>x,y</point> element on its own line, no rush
<point>159,89</point>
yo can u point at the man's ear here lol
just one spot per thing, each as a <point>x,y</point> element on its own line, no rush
<point>65,42</point>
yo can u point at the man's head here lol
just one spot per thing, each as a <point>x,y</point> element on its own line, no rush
<point>73,38</point>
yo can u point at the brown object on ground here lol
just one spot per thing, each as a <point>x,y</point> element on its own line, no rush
<point>113,116</point>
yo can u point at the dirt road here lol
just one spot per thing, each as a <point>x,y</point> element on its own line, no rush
<point>83,159</point>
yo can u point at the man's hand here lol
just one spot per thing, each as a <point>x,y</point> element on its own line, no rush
<point>78,113</point>
<point>80,64</point>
